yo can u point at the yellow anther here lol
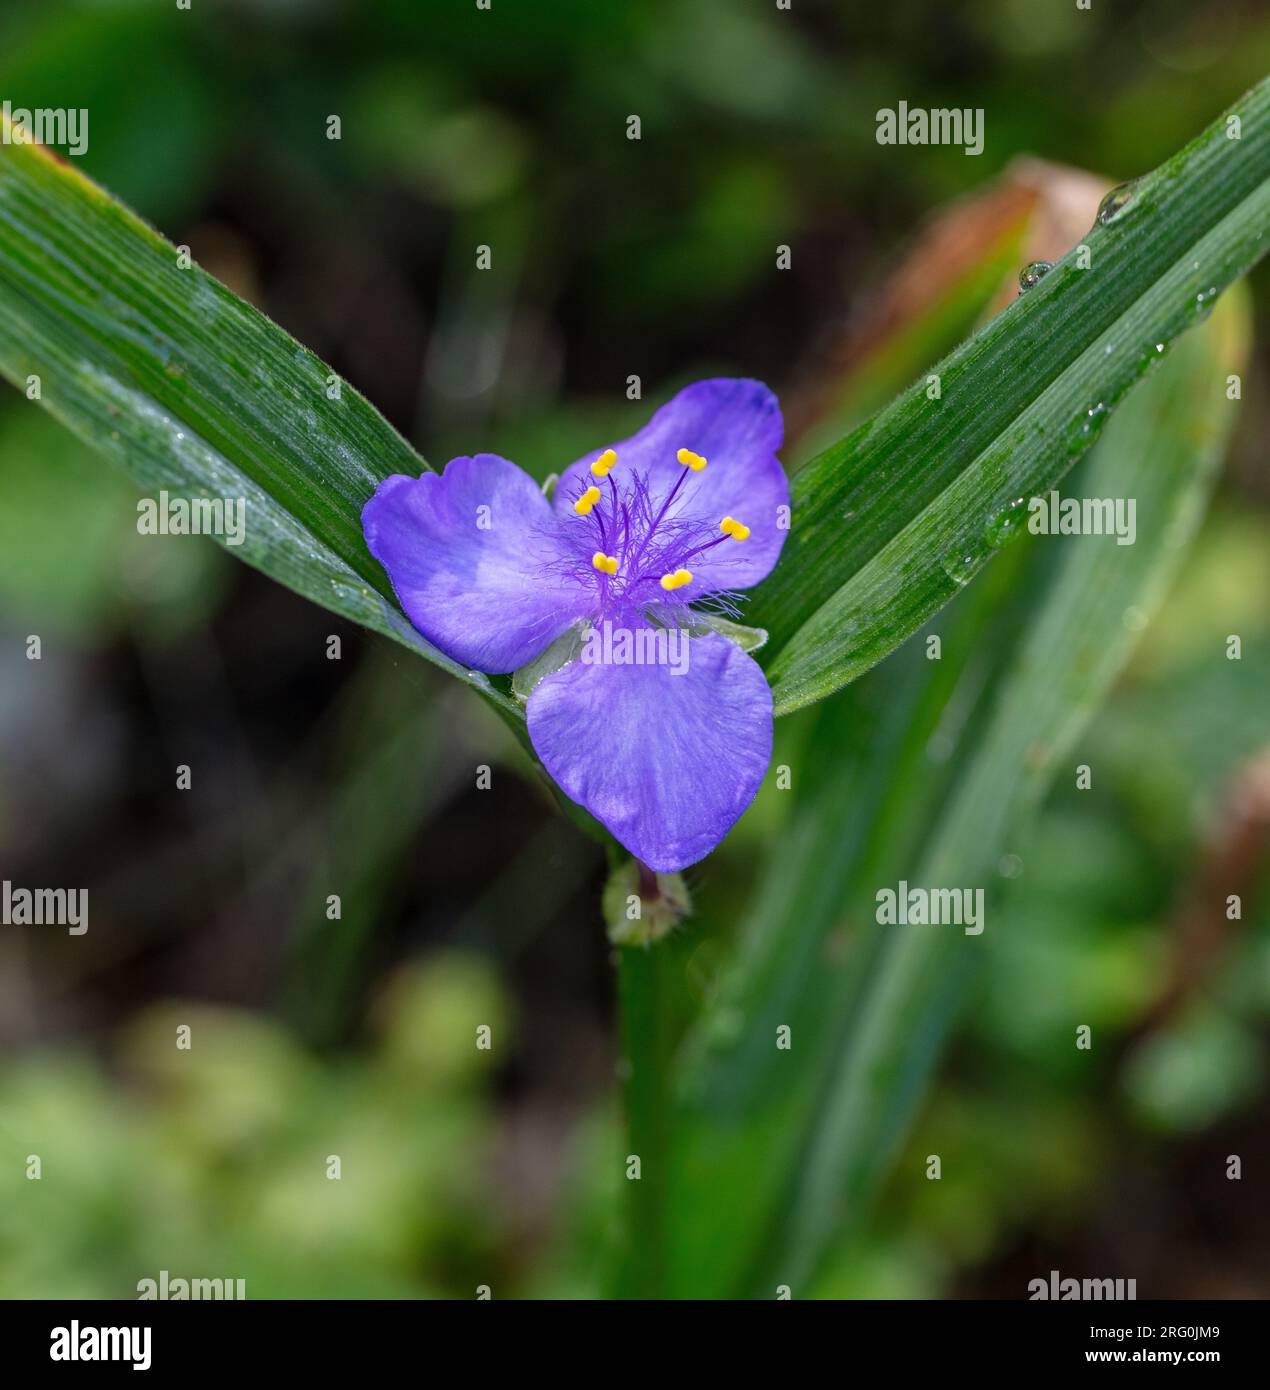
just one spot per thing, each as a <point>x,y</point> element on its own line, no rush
<point>691,460</point>
<point>731,527</point>
<point>606,564</point>
<point>676,580</point>
<point>604,464</point>
<point>588,500</point>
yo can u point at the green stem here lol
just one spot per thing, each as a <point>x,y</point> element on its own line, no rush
<point>647,1028</point>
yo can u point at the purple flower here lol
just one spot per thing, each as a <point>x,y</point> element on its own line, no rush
<point>665,740</point>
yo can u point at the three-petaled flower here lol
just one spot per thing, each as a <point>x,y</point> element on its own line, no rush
<point>647,536</point>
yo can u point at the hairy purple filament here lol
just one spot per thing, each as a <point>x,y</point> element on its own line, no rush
<point>647,544</point>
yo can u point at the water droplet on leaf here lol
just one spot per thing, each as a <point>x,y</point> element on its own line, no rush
<point>1033,273</point>
<point>1010,866</point>
<point>1007,523</point>
<point>1134,619</point>
<point>1152,356</point>
<point>1202,305</point>
<point>1086,428</point>
<point>961,566</point>
<point>1115,201</point>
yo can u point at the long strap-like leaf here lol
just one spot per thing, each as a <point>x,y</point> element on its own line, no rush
<point>187,388</point>
<point>891,521</point>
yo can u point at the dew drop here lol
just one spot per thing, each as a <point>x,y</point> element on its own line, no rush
<point>1086,428</point>
<point>1152,356</point>
<point>1115,201</point>
<point>1202,305</point>
<point>961,566</point>
<point>1033,273</point>
<point>1133,619</point>
<point>1007,523</point>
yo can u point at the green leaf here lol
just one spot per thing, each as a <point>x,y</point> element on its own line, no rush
<point>749,639</point>
<point>559,654</point>
<point>1163,450</point>
<point>190,390</point>
<point>889,523</point>
<point>926,770</point>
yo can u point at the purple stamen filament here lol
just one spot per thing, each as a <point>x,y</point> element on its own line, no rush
<point>637,537</point>
<point>709,545</point>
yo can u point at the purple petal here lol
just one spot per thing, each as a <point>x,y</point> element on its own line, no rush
<point>667,762</point>
<point>735,424</point>
<point>475,556</point>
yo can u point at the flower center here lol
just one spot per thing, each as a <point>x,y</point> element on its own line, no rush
<point>642,550</point>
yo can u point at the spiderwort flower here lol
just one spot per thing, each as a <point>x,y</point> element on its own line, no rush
<point>651,534</point>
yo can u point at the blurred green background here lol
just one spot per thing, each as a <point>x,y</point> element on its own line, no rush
<point>464,907</point>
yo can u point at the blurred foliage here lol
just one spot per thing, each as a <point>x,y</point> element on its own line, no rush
<point>68,530</point>
<point>213,1162</point>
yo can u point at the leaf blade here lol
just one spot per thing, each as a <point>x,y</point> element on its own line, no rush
<point>869,1006</point>
<point>925,478</point>
<point>188,388</point>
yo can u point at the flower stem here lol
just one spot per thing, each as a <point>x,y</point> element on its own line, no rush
<point>645,984</point>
